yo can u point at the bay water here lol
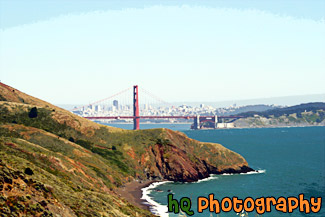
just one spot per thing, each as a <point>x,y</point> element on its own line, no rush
<point>291,161</point>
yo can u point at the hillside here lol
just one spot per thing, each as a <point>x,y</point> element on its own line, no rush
<point>53,161</point>
<point>309,114</point>
<point>243,109</point>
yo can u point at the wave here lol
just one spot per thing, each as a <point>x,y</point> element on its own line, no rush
<point>155,208</point>
<point>248,173</point>
<point>207,179</point>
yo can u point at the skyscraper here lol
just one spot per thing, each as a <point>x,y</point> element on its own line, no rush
<point>115,104</point>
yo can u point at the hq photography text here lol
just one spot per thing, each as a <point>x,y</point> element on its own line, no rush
<point>259,205</point>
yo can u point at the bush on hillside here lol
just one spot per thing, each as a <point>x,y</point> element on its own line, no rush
<point>33,113</point>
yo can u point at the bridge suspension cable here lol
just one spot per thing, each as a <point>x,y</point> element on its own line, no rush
<point>102,100</point>
<point>155,97</point>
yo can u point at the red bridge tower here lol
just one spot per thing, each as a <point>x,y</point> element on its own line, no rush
<point>136,113</point>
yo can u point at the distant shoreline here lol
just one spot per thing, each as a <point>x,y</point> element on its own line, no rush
<point>148,123</point>
<point>257,127</point>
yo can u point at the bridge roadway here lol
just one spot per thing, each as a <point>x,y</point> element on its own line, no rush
<point>160,117</point>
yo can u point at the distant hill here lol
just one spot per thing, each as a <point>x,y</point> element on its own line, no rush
<point>277,101</point>
<point>307,107</point>
<point>248,108</point>
<point>257,108</point>
<point>308,114</point>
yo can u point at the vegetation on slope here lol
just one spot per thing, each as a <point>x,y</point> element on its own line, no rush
<point>78,163</point>
<point>39,182</point>
<point>309,114</point>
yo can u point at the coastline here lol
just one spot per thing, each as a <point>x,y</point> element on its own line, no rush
<point>154,207</point>
<point>136,192</point>
<point>261,127</point>
<point>132,192</point>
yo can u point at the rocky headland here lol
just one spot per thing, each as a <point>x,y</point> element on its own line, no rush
<point>55,162</point>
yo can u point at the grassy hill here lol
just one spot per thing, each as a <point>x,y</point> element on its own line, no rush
<point>309,114</point>
<point>55,162</point>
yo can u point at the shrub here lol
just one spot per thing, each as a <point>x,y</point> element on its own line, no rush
<point>33,113</point>
<point>29,171</point>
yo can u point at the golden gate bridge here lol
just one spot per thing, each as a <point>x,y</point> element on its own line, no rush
<point>198,120</point>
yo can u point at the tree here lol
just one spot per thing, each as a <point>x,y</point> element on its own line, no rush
<point>33,113</point>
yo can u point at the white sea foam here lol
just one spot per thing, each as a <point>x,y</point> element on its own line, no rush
<point>248,173</point>
<point>154,207</point>
<point>162,210</point>
<point>254,172</point>
<point>207,179</point>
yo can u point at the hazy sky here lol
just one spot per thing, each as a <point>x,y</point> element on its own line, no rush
<point>80,51</point>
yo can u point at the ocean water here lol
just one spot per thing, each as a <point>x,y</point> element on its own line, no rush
<point>179,127</point>
<point>291,162</point>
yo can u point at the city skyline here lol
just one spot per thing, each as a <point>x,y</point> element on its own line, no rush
<point>114,109</point>
<point>278,101</point>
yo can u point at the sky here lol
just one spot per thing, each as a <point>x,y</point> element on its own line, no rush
<point>75,52</point>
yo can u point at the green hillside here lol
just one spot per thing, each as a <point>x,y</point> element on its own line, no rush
<point>309,114</point>
<point>55,162</point>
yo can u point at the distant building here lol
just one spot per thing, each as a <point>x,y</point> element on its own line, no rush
<point>115,104</point>
<point>97,108</point>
